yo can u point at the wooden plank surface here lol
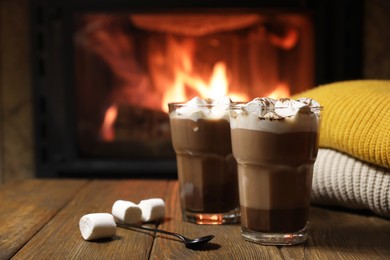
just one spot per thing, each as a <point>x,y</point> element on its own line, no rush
<point>25,208</point>
<point>61,238</point>
<point>333,235</point>
<point>346,235</point>
<point>39,220</point>
<point>227,243</point>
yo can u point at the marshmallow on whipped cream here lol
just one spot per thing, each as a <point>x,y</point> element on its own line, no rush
<point>281,115</point>
<point>126,211</point>
<point>198,108</point>
<point>97,225</point>
<point>152,209</point>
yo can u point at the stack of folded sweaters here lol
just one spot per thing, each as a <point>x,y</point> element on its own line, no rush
<point>353,164</point>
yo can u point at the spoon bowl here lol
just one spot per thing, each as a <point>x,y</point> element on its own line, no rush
<point>188,242</point>
<point>197,241</point>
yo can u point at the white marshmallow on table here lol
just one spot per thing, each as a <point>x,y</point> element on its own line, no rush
<point>126,211</point>
<point>97,225</point>
<point>152,209</point>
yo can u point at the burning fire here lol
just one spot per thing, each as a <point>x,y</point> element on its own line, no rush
<point>168,72</point>
<point>281,90</point>
<point>107,132</point>
<point>216,87</point>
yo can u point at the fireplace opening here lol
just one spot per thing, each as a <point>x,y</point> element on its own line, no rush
<point>104,73</point>
<point>129,66</point>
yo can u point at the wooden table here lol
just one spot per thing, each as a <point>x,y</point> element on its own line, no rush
<point>39,220</point>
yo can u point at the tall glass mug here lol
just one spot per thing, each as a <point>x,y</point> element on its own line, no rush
<point>207,170</point>
<point>275,143</point>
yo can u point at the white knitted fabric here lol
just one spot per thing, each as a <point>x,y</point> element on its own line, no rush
<point>343,180</point>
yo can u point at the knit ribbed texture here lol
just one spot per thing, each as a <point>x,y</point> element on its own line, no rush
<point>356,118</point>
<point>345,181</point>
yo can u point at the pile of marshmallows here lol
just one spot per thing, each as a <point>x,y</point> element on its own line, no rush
<point>103,225</point>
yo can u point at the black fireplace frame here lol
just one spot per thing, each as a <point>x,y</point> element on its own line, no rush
<point>338,34</point>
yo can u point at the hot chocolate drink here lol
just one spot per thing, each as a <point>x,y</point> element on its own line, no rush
<point>207,170</point>
<point>275,143</point>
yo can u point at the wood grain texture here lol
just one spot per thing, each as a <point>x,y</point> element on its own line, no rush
<point>344,235</point>
<point>39,220</point>
<point>25,208</point>
<point>227,243</point>
<point>61,238</point>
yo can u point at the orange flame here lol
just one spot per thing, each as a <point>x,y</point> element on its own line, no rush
<point>180,83</point>
<point>107,132</point>
<point>282,90</point>
<point>170,71</point>
<point>216,87</point>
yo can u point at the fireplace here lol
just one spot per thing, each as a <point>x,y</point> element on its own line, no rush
<point>105,71</point>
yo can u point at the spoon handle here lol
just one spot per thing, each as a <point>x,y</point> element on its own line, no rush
<point>136,226</point>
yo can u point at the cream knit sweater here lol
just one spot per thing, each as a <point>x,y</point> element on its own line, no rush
<point>343,180</point>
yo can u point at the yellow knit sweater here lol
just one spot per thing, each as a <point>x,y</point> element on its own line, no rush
<point>356,118</point>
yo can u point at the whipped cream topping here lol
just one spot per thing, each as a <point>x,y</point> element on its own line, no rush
<point>198,108</point>
<point>277,116</point>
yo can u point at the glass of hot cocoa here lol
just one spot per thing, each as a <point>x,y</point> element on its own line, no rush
<point>207,170</point>
<point>275,143</point>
